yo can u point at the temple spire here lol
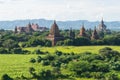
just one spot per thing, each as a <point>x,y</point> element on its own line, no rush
<point>94,34</point>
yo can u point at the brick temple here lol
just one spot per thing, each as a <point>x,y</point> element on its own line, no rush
<point>54,34</point>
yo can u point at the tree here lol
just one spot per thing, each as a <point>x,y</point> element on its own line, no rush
<point>68,42</point>
<point>112,40</point>
<point>3,51</point>
<point>79,67</point>
<point>17,51</point>
<point>80,41</point>
<point>10,44</point>
<point>108,53</point>
<point>48,43</point>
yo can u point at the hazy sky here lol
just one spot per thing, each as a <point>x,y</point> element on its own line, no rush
<point>60,9</point>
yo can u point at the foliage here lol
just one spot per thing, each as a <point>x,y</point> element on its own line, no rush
<point>10,44</point>
<point>32,60</point>
<point>6,77</point>
<point>80,41</point>
<point>3,51</point>
<point>69,65</point>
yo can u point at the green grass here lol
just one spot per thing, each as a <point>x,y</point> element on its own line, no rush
<point>17,65</point>
<point>68,49</point>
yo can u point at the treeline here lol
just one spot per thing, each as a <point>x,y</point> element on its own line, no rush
<point>83,41</point>
<point>10,40</point>
<point>102,66</point>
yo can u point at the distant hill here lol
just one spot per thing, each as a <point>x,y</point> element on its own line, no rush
<point>10,25</point>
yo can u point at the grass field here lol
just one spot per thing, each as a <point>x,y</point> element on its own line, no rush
<point>68,49</point>
<point>17,65</point>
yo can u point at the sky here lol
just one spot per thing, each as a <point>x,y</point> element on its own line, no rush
<point>62,10</point>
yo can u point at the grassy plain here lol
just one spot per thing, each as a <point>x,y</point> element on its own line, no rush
<point>75,49</point>
<point>18,65</point>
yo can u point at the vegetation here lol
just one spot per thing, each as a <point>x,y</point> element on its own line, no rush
<point>60,65</point>
<point>32,57</point>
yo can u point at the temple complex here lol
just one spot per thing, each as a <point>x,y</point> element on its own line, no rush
<point>29,28</point>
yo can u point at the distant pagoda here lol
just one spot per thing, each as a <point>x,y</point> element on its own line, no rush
<point>82,31</point>
<point>102,27</point>
<point>94,35</point>
<point>54,34</point>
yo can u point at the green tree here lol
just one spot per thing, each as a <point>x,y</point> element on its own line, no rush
<point>80,41</point>
<point>10,44</point>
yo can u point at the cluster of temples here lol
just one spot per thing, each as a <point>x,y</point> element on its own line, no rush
<point>29,28</point>
<point>55,36</point>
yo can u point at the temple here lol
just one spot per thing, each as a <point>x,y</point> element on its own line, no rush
<point>29,28</point>
<point>102,27</point>
<point>54,34</point>
<point>82,31</point>
<point>94,35</point>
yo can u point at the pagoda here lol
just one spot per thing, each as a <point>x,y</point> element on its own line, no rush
<point>54,34</point>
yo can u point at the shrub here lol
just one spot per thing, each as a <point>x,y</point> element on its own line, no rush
<point>111,76</point>
<point>6,77</point>
<point>108,53</point>
<point>17,51</point>
<point>49,57</point>
<point>32,60</point>
<point>3,51</point>
<point>37,51</point>
<point>39,59</point>
<point>45,62</point>
<point>59,53</point>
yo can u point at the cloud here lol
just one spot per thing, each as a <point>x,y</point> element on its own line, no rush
<point>60,9</point>
<point>2,1</point>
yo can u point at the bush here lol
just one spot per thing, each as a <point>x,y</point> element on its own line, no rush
<point>39,59</point>
<point>109,53</point>
<point>37,52</point>
<point>59,53</point>
<point>111,76</point>
<point>32,72</point>
<point>17,51</point>
<point>45,62</point>
<point>49,57</point>
<point>6,77</point>
<point>3,51</point>
<point>23,45</point>
<point>32,60</point>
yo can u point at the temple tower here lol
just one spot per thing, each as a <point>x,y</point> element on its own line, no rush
<point>29,28</point>
<point>82,31</point>
<point>94,35</point>
<point>54,34</point>
<point>102,27</point>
